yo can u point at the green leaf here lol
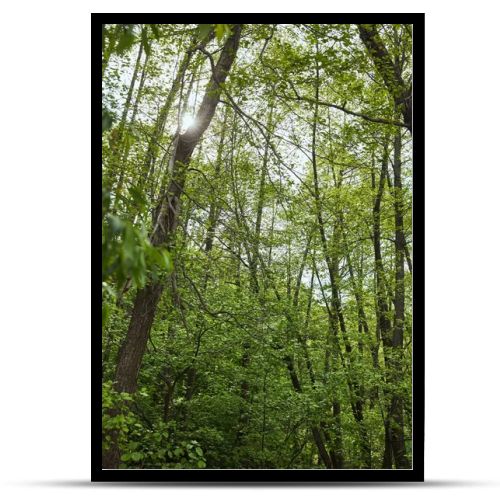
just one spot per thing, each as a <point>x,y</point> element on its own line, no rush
<point>137,196</point>
<point>107,119</point>
<point>167,261</point>
<point>129,245</point>
<point>136,456</point>
<point>201,464</point>
<point>129,138</point>
<point>126,38</point>
<point>220,31</point>
<point>155,30</point>
<point>204,30</point>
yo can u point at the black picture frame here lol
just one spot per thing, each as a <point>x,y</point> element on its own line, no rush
<point>267,476</point>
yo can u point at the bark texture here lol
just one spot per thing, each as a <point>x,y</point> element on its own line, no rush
<point>389,70</point>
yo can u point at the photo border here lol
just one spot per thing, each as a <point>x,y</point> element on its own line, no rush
<point>265,476</point>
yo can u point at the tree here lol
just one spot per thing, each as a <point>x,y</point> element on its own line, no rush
<point>166,217</point>
<point>257,246</point>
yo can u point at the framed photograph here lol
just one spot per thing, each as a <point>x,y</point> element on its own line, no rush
<point>261,257</point>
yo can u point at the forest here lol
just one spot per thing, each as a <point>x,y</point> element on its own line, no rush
<point>257,246</point>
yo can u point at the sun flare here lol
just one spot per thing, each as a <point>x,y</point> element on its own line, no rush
<point>188,121</point>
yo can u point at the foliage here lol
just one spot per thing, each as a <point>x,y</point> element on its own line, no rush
<point>145,446</point>
<point>287,318</point>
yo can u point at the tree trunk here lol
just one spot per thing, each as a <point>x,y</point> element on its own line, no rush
<point>389,71</point>
<point>117,144</point>
<point>315,430</point>
<point>396,413</point>
<point>156,137</point>
<point>384,328</point>
<point>124,157</point>
<point>130,357</point>
<point>213,215</point>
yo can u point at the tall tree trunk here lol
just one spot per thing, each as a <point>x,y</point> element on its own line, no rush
<point>384,328</point>
<point>154,142</point>
<point>214,210</point>
<point>213,216</point>
<point>128,100</point>
<point>387,459</point>
<point>389,70</point>
<point>117,140</point>
<point>253,251</point>
<point>315,430</point>
<point>132,351</point>
<point>127,146</point>
<point>391,335</point>
<point>336,452</point>
<point>260,202</point>
<point>396,413</point>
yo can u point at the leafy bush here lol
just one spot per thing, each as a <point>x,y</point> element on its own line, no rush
<point>152,446</point>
